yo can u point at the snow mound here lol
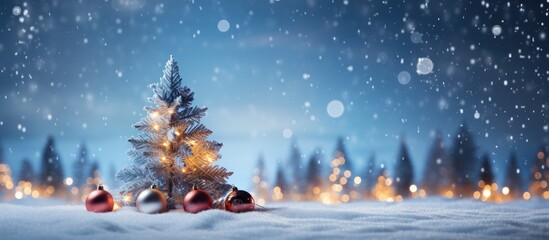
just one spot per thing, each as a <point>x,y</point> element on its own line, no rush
<point>415,219</point>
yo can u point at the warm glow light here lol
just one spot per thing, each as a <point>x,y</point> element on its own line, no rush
<point>50,189</point>
<point>357,180</point>
<point>486,193</point>
<point>422,193</point>
<point>154,114</point>
<point>166,144</point>
<point>476,195</point>
<point>155,126</point>
<point>526,195</point>
<point>413,188</point>
<point>546,194</point>
<point>68,181</point>
<point>316,190</point>
<point>449,194</point>
<point>335,171</point>
<point>276,190</point>
<point>505,190</point>
<point>74,190</point>
<point>18,195</point>
<point>256,179</point>
<point>343,180</point>
<point>332,177</point>
<point>35,194</point>
<point>345,198</point>
<point>347,174</point>
<point>127,198</point>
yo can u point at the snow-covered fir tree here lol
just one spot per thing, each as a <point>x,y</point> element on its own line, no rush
<point>26,173</point>
<point>173,151</point>
<point>260,181</point>
<point>80,167</point>
<point>52,174</point>
<point>438,173</point>
<point>404,173</point>
<point>512,179</point>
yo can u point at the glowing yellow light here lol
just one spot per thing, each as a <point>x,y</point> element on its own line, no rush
<point>155,126</point>
<point>449,194</point>
<point>18,195</point>
<point>336,171</point>
<point>526,195</point>
<point>505,190</point>
<point>154,114</point>
<point>261,201</point>
<point>183,170</point>
<point>9,185</point>
<point>256,179</point>
<point>388,182</point>
<point>343,180</point>
<point>390,199</point>
<point>537,175</point>
<point>398,198</point>
<point>546,194</point>
<point>347,174</point>
<point>357,180</point>
<point>50,189</point>
<point>345,198</point>
<point>166,144</point>
<point>337,187</point>
<point>27,191</point>
<point>476,195</point>
<point>332,177</point>
<point>413,188</point>
<point>277,190</point>
<point>481,184</point>
<point>127,198</point>
<point>494,186</point>
<point>316,190</point>
<point>543,184</point>
<point>68,181</point>
<point>486,193</point>
<point>422,193</point>
<point>177,133</point>
<point>35,194</point>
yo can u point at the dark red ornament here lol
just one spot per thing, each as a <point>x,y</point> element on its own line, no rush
<point>239,201</point>
<point>196,201</point>
<point>99,200</point>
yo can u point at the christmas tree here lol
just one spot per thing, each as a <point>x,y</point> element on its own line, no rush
<point>52,175</point>
<point>173,151</point>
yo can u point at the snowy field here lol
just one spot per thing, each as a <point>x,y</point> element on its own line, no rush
<point>414,219</point>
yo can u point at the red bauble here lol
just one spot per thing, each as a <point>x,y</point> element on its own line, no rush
<point>99,201</point>
<point>196,201</point>
<point>239,201</point>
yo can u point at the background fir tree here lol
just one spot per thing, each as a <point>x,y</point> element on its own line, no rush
<point>404,173</point>
<point>370,176</point>
<point>464,160</point>
<point>486,174</point>
<point>260,181</point>
<point>296,172</point>
<point>280,185</point>
<point>81,167</point>
<point>540,172</point>
<point>52,169</point>
<point>344,164</point>
<point>512,178</point>
<point>26,172</point>
<point>173,151</point>
<point>313,176</point>
<point>438,172</point>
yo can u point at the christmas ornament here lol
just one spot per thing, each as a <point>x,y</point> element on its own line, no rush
<point>151,201</point>
<point>196,201</point>
<point>239,201</point>
<point>99,200</point>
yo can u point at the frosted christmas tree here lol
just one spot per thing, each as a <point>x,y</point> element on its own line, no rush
<point>173,151</point>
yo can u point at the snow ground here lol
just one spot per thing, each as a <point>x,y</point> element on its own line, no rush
<point>414,219</point>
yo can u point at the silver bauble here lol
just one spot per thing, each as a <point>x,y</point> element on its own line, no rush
<point>151,201</point>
